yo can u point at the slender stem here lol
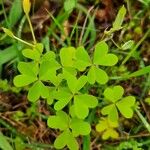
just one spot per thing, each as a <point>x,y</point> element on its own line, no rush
<point>4,12</point>
<point>29,44</point>
<point>31,28</point>
<point>135,48</point>
<point>144,121</point>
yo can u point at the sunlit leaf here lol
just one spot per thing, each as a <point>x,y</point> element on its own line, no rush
<point>60,121</point>
<point>102,57</point>
<point>67,56</point>
<point>125,106</point>
<point>82,103</point>
<point>80,127</point>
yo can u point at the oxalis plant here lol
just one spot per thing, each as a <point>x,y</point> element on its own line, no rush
<point>63,79</point>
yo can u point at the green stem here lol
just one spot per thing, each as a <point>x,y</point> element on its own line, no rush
<point>12,129</point>
<point>144,121</point>
<point>29,44</point>
<point>4,12</point>
<point>135,48</point>
<point>31,28</point>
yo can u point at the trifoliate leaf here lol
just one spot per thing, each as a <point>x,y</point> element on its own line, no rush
<point>125,106</point>
<point>82,103</point>
<point>23,80</point>
<point>67,56</point>
<point>38,89</point>
<point>82,59</point>
<point>80,127</point>
<point>59,121</point>
<point>75,84</point>
<point>114,94</point>
<point>106,126</point>
<point>102,57</point>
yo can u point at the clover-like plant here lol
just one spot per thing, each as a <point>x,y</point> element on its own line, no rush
<point>107,128</point>
<point>101,57</point>
<point>116,101</point>
<point>81,101</point>
<point>62,81</point>
<point>70,127</point>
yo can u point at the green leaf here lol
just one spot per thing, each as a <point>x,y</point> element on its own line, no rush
<point>75,84</point>
<point>39,47</point>
<point>8,54</point>
<point>67,56</point>
<point>101,56</point>
<point>48,69</point>
<point>91,75</point>
<point>28,68</point>
<point>66,138</point>
<point>61,140</point>
<point>48,56</point>
<point>140,72</point>
<point>127,45</point>
<point>69,5</point>
<point>101,49</point>
<point>97,74</point>
<point>110,133</point>
<point>56,80</point>
<point>23,80</point>
<point>101,126</point>
<point>72,142</point>
<point>4,144</point>
<point>111,111</point>
<point>38,89</point>
<point>82,103</point>
<point>125,106</point>
<point>51,96</point>
<point>82,59</point>
<point>101,76</point>
<point>119,19</point>
<point>107,127</point>
<point>15,12</point>
<point>64,97</point>
<point>114,94</point>
<point>60,121</point>
<point>79,127</point>
<point>31,54</point>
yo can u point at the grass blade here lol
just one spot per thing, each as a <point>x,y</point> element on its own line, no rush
<point>4,145</point>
